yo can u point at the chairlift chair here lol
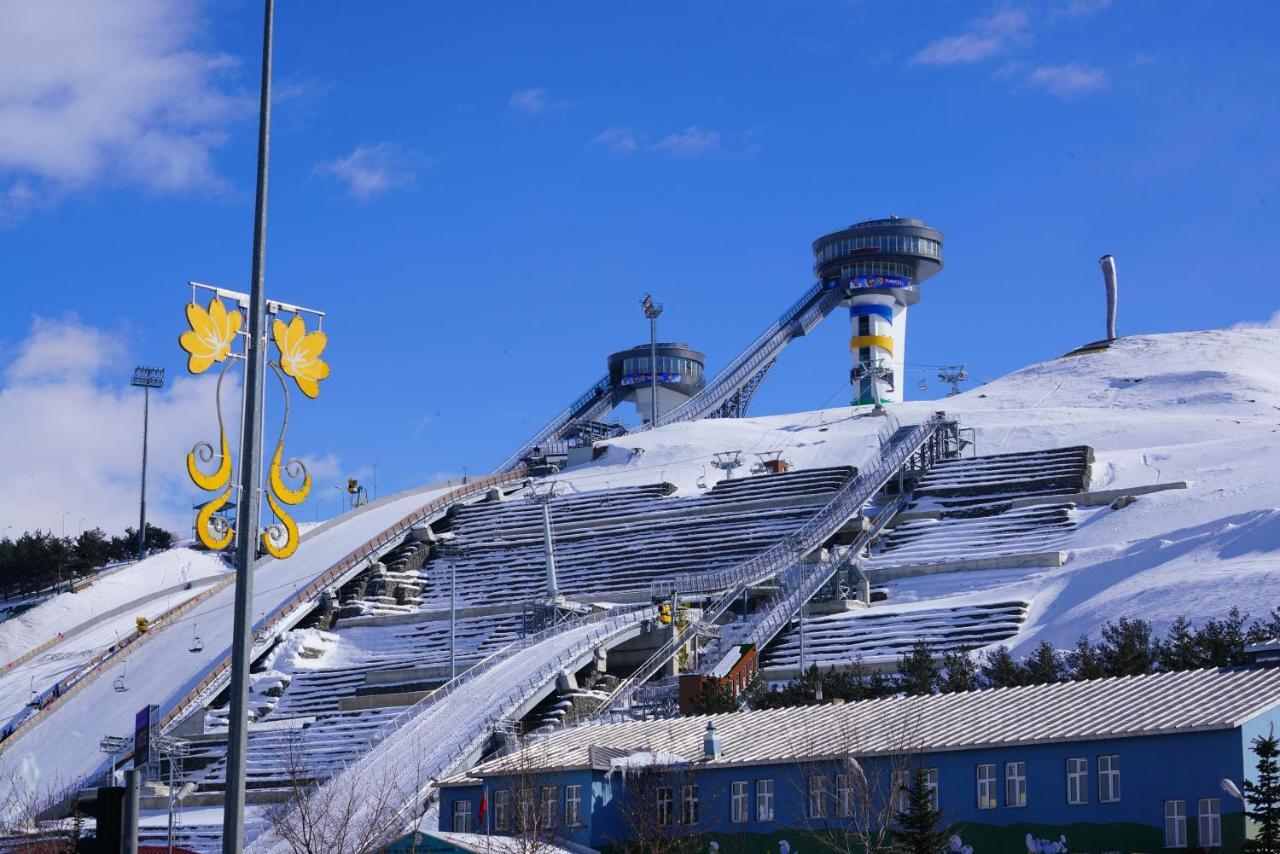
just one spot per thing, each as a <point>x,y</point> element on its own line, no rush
<point>119,684</point>
<point>197,644</point>
<point>922,385</point>
<point>702,479</point>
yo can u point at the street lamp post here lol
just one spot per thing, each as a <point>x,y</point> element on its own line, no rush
<point>250,502</point>
<point>146,378</point>
<point>651,311</point>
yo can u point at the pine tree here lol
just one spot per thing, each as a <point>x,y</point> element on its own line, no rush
<point>1128,648</point>
<point>1180,649</point>
<point>1085,662</point>
<point>959,672</point>
<point>920,829</point>
<point>917,674</point>
<point>999,670</point>
<point>1043,667</point>
<point>1263,796</point>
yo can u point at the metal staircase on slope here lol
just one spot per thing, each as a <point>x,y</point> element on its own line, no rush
<point>929,440</point>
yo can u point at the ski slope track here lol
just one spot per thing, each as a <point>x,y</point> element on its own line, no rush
<point>1200,407</point>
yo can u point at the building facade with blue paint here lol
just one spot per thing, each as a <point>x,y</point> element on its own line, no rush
<point>1127,764</point>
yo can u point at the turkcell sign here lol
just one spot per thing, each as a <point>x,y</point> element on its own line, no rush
<point>879,282</point>
<point>641,379</point>
<point>143,721</point>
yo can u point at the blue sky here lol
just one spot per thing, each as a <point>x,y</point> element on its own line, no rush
<point>479,194</point>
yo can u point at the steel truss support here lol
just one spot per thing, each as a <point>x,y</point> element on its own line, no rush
<point>736,404</point>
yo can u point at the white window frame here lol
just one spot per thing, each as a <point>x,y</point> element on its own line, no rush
<point>1175,824</point>
<point>1015,784</point>
<point>573,805</point>
<point>764,800</point>
<point>502,809</point>
<point>664,803</point>
<point>1109,779</point>
<point>817,796</point>
<point>900,788</point>
<point>1209,822</point>
<point>986,786</point>
<point>689,804</point>
<point>462,811</point>
<point>1077,780</point>
<point>931,785</point>
<point>844,795</point>
<point>738,811</point>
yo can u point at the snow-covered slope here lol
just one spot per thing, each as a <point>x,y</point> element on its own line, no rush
<point>1201,407</point>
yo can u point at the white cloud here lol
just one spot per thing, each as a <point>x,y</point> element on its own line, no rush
<point>984,38</point>
<point>1069,80</point>
<point>533,102</point>
<point>76,447</point>
<point>373,169</point>
<point>617,140</point>
<point>114,93</point>
<point>1272,323</point>
<point>693,141</point>
<point>1079,8</point>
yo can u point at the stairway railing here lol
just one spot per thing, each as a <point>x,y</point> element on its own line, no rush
<point>785,555</point>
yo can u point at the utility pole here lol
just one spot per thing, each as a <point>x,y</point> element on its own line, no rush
<point>651,311</point>
<point>250,498</point>
<point>145,378</point>
<point>543,497</point>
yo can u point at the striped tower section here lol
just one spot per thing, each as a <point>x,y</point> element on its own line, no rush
<point>874,342</point>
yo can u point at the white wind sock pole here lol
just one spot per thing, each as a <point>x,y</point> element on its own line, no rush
<point>1108,265</point>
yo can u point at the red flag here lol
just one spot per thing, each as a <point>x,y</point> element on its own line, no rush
<point>484,805</point>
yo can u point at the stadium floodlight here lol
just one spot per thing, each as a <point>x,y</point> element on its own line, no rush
<point>146,378</point>
<point>651,311</point>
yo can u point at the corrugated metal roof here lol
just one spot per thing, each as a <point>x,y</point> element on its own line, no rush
<point>1161,703</point>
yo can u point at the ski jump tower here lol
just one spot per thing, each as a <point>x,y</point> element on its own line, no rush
<point>879,264</point>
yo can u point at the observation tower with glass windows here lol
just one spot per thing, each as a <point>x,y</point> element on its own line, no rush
<point>680,377</point>
<point>879,264</point>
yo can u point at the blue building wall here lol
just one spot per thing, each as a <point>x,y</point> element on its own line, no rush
<point>1153,770</point>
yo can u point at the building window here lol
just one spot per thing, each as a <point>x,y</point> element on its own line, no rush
<point>525,805</point>
<point>550,806</point>
<point>573,806</point>
<point>502,809</point>
<point>1108,779</point>
<point>689,804</point>
<point>986,787</point>
<point>764,800</point>
<point>900,785</point>
<point>1210,824</point>
<point>1077,780</point>
<point>931,786</point>
<point>738,802</point>
<point>1015,784</point>
<point>818,796</point>
<point>1175,824</point>
<point>462,816</point>
<point>844,794</point>
<point>664,805</point>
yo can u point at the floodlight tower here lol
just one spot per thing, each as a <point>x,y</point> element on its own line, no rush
<point>879,265</point>
<point>651,311</point>
<point>145,378</point>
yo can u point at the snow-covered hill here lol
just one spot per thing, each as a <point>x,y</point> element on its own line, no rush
<point>1201,407</point>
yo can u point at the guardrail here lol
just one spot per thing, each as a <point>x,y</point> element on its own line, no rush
<point>370,549</point>
<point>600,392</point>
<point>786,554</point>
<point>354,558</point>
<point>798,319</point>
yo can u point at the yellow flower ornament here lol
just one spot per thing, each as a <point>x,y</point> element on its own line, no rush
<point>211,335</point>
<point>300,354</point>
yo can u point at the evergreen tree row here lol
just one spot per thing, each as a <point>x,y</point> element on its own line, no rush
<point>37,560</point>
<point>1125,648</point>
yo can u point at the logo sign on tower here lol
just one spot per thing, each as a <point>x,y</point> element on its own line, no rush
<point>143,723</point>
